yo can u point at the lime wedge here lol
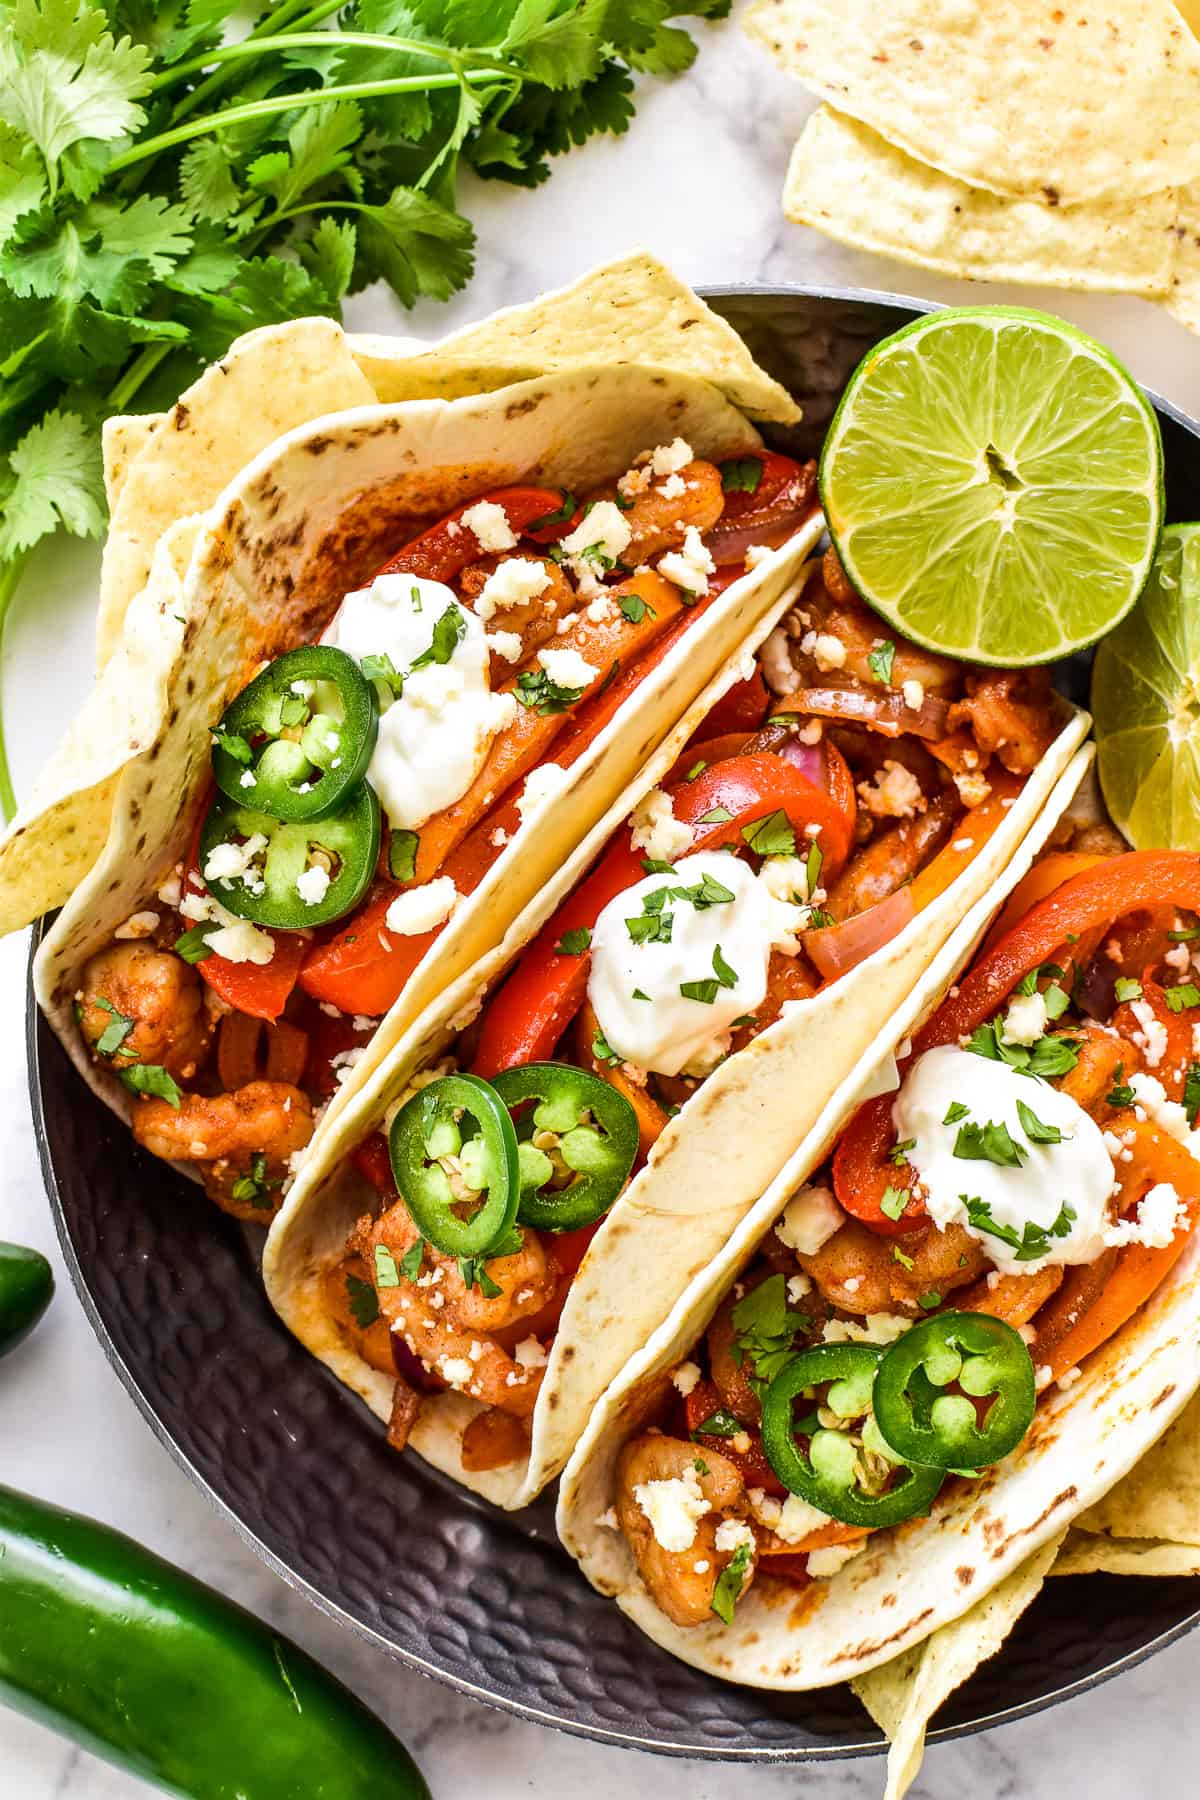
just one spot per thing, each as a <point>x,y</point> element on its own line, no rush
<point>1146,699</point>
<point>993,483</point>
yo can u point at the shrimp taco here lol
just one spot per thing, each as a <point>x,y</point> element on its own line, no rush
<point>531,1181</point>
<point>411,653</point>
<point>964,1311</point>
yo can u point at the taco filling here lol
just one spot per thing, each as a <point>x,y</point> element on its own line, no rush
<point>976,1234</point>
<point>836,790</point>
<point>366,784</point>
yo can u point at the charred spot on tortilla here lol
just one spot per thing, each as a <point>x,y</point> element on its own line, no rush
<point>965,1574</point>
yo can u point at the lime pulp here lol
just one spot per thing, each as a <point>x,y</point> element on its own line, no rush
<point>992,481</point>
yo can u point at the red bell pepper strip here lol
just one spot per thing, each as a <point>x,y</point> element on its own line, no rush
<point>261,990</point>
<point>529,1014</point>
<point>447,547</point>
<point>706,1399</point>
<point>743,707</point>
<point>1095,897</point>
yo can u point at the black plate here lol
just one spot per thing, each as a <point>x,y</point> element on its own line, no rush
<point>484,1601</point>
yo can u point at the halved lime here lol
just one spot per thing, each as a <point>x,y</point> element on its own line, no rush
<point>1146,700</point>
<point>993,483</point>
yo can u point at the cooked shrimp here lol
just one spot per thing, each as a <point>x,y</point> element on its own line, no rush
<point>659,521</point>
<point>448,1325</point>
<point>242,1141</point>
<point>1010,715</point>
<point>163,995</point>
<point>860,633</point>
<point>533,621</point>
<point>681,1582</point>
<point>1013,1298</point>
<point>856,1271</point>
<point>1101,1054</point>
<point>891,858</point>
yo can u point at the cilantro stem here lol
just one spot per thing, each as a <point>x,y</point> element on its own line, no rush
<point>139,370</point>
<point>10,576</point>
<point>281,103</point>
<point>320,40</point>
<point>269,25</point>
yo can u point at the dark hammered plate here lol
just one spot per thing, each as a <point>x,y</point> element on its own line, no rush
<point>487,1602</point>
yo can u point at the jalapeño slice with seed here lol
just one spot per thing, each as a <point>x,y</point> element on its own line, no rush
<point>299,739</point>
<point>597,1139</point>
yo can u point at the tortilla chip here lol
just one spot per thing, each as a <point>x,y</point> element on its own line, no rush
<point>1160,1497</point>
<point>626,311</point>
<point>62,828</point>
<point>124,437</point>
<point>268,382</point>
<point>1011,95</point>
<point>1090,1553</point>
<point>902,1696</point>
<point>847,181</point>
<point>1183,301</point>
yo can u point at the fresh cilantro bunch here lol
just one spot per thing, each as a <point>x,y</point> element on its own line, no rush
<point>163,190</point>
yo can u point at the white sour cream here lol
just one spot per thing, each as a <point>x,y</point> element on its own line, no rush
<point>1078,1171</point>
<point>434,739</point>
<point>669,1031</point>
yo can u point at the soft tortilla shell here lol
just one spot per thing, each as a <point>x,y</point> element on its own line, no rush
<point>847,181</point>
<point>632,312</point>
<point>1012,95</point>
<point>1160,1498</point>
<point>309,520</point>
<point>909,1582</point>
<point>704,1179</point>
<point>902,1696</point>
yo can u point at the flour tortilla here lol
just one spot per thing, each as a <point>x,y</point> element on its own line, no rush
<point>312,518</point>
<point>630,312</point>
<point>907,1583</point>
<point>1013,95</point>
<point>632,316</point>
<point>668,1235</point>
<point>847,181</point>
<point>902,1696</point>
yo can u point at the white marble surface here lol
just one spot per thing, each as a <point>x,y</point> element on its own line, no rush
<point>697,180</point>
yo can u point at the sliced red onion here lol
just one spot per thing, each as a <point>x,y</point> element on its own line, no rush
<point>882,712</point>
<point>839,948</point>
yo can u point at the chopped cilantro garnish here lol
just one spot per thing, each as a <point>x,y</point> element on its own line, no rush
<point>764,1326</point>
<point>1186,994</point>
<point>771,836</point>
<point>1125,988</point>
<point>1191,1092</point>
<point>536,690</point>
<point>906,1262</point>
<point>1035,1129</point>
<point>473,1270</point>
<point>402,854</point>
<point>563,516</point>
<point>893,1202</point>
<point>151,1078</point>
<point>449,631</point>
<point>697,768</point>
<point>812,868</point>
<point>881,661</point>
<point>387,1275</point>
<point>742,475</point>
<point>192,945</point>
<point>716,815</point>
<point>898,1153</point>
<point>636,609</point>
<point>725,975</point>
<point>382,669</point>
<point>930,1300</point>
<point>573,943</point>
<point>602,1050</point>
<point>954,1112</point>
<point>719,1424</point>
<point>639,995</point>
<point>116,1031</point>
<point>991,1142</point>
<point>1184,937</point>
<point>731,1581</point>
<point>1032,1242</point>
<point>362,1300</point>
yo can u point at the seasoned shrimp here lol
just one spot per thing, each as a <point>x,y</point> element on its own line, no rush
<point>163,995</point>
<point>242,1141</point>
<point>856,1271</point>
<point>891,858</point>
<point>659,520</point>
<point>449,1326</point>
<point>681,1582</point>
<point>533,621</point>
<point>860,633</point>
<point>1101,1054</point>
<point>1010,714</point>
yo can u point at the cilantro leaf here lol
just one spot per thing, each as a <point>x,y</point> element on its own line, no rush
<point>573,943</point>
<point>732,1578</point>
<point>402,854</point>
<point>771,836</point>
<point>362,1300</point>
<point>881,661</point>
<point>741,475</point>
<point>151,1078</point>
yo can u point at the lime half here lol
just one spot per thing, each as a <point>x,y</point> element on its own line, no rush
<point>993,483</point>
<point>1146,698</point>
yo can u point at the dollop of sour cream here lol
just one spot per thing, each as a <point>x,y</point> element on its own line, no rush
<point>665,1029</point>
<point>434,739</point>
<point>1078,1171</point>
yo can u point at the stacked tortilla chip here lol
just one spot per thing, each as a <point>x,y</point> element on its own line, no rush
<point>1007,140</point>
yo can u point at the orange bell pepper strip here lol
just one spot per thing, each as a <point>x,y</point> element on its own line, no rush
<point>259,989</point>
<point>447,547</point>
<point>528,1015</point>
<point>526,742</point>
<point>942,871</point>
<point>1046,874</point>
<point>1140,1268</point>
<point>1095,897</point>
